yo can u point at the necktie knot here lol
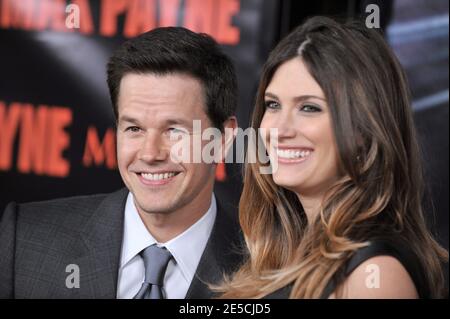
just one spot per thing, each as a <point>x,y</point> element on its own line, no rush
<point>156,260</point>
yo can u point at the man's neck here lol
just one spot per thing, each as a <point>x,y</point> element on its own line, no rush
<point>166,226</point>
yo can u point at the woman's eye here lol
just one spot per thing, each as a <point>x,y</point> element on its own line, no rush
<point>310,108</point>
<point>272,105</point>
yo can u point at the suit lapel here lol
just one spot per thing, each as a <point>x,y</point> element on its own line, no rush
<point>100,248</point>
<point>223,254</point>
<point>102,237</point>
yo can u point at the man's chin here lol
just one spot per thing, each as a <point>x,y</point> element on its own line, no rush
<point>157,211</point>
<point>153,207</point>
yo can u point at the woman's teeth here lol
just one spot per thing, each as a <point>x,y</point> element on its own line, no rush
<point>289,154</point>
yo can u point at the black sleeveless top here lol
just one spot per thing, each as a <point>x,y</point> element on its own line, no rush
<point>377,247</point>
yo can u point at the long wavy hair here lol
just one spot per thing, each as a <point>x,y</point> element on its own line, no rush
<point>380,192</point>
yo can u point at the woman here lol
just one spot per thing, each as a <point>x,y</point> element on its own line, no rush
<point>341,215</point>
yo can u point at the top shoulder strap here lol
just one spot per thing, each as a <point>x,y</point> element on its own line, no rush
<point>382,248</point>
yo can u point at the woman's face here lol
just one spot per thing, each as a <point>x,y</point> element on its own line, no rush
<point>306,150</point>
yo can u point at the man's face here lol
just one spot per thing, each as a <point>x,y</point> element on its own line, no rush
<point>152,109</point>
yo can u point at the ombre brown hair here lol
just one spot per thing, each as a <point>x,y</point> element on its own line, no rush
<point>379,194</point>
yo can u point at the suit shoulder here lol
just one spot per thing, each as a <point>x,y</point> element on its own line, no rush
<point>50,209</point>
<point>69,212</point>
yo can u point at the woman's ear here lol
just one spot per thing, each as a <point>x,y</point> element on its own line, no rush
<point>360,144</point>
<point>359,141</point>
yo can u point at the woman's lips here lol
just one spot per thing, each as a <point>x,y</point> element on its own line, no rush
<point>292,155</point>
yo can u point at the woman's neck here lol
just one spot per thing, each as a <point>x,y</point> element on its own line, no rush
<point>311,205</point>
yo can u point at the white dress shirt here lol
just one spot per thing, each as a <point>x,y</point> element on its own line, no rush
<point>186,249</point>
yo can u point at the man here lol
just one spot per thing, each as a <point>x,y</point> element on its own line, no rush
<point>164,235</point>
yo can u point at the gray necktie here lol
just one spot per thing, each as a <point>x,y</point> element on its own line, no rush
<point>156,260</point>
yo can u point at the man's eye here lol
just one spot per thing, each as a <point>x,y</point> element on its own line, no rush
<point>133,129</point>
<point>271,105</point>
<point>176,131</point>
<point>310,108</point>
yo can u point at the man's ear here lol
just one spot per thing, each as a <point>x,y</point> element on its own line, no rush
<point>229,126</point>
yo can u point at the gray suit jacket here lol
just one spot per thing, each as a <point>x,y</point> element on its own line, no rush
<point>39,240</point>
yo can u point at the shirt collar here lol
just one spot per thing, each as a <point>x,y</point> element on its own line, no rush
<point>135,235</point>
<point>187,248</point>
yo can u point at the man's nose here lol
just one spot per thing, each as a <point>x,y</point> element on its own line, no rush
<point>153,148</point>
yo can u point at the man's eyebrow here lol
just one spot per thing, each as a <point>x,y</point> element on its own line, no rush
<point>127,118</point>
<point>167,122</point>
<point>297,98</point>
<point>179,121</point>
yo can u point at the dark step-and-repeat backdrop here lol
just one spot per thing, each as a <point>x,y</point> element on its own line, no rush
<point>57,133</point>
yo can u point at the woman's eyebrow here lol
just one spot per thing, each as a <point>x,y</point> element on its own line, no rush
<point>297,98</point>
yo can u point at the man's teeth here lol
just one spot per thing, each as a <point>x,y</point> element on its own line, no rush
<point>292,153</point>
<point>157,177</point>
